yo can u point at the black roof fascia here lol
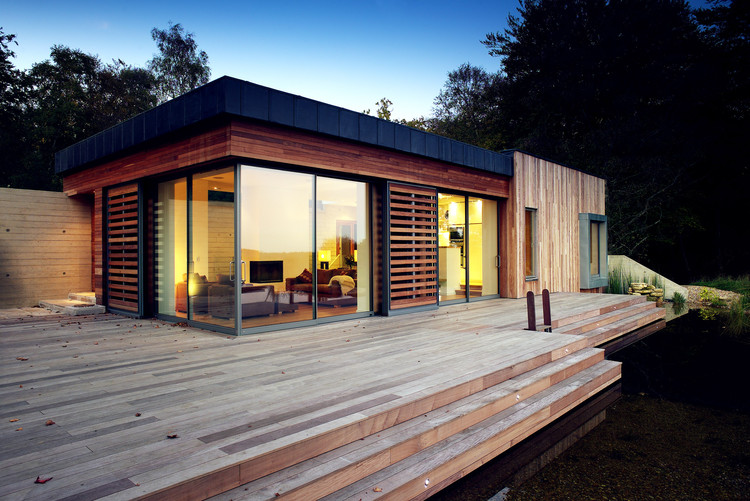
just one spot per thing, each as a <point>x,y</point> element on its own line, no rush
<point>227,95</point>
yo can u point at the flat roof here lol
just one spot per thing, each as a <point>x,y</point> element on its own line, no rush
<point>233,97</point>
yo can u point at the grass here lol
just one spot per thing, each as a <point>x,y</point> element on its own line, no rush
<point>737,317</point>
<point>620,280</point>
<point>739,284</point>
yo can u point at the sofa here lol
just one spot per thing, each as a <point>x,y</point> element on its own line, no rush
<point>199,286</point>
<point>331,284</point>
<point>257,300</point>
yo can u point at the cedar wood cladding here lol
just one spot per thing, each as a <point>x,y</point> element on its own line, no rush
<point>240,141</point>
<point>558,194</point>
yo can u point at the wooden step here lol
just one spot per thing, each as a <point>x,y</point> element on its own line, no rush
<point>585,311</point>
<point>622,327</point>
<point>257,451</point>
<point>430,469</point>
<point>336,469</point>
<point>589,324</point>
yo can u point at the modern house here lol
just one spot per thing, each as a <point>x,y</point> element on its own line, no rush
<point>240,208</point>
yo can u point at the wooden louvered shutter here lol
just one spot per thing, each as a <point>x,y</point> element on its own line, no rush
<point>122,248</point>
<point>412,213</point>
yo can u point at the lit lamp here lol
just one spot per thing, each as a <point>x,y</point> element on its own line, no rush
<point>324,257</point>
<point>355,255</point>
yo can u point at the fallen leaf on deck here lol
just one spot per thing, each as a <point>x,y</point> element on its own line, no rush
<point>49,422</point>
<point>13,420</point>
<point>41,480</point>
<point>19,429</point>
<point>137,414</point>
<point>174,435</point>
<point>377,489</point>
<point>22,359</point>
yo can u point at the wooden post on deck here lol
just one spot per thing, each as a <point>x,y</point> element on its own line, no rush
<point>546,311</point>
<point>531,311</point>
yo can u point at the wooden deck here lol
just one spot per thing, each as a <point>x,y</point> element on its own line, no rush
<point>393,407</point>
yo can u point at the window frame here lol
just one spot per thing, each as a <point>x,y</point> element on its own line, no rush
<point>591,280</point>
<point>534,241</point>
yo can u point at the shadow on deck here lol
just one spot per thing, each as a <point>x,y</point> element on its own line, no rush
<point>394,407</point>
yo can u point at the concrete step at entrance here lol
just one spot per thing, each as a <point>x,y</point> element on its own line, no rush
<point>78,303</point>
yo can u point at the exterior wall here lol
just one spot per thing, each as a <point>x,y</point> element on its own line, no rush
<point>45,246</point>
<point>558,194</point>
<point>248,141</point>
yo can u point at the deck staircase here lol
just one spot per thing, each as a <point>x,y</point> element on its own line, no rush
<point>413,451</point>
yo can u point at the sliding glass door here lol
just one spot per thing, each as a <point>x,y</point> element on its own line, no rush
<point>299,251</point>
<point>468,254</point>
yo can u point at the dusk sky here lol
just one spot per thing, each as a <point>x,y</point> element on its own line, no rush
<point>348,54</point>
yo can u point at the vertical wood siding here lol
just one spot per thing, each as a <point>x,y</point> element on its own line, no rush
<point>45,244</point>
<point>558,194</point>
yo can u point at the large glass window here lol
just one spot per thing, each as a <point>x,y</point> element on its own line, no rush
<point>467,253</point>
<point>483,251</point>
<point>343,248</point>
<point>213,272</point>
<point>277,244</point>
<point>170,248</point>
<point>452,246</point>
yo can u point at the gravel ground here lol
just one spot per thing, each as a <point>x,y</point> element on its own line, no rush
<point>694,299</point>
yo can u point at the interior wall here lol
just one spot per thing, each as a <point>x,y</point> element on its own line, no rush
<point>558,194</point>
<point>45,246</point>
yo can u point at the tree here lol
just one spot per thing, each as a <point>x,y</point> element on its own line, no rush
<point>615,87</point>
<point>12,96</point>
<point>468,107</point>
<point>70,97</point>
<point>179,67</point>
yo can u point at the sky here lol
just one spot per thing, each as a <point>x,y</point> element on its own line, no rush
<point>345,53</point>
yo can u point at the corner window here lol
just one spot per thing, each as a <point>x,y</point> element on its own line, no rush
<point>530,264</point>
<point>593,250</point>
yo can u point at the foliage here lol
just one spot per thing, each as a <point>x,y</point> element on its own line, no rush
<point>385,112</point>
<point>620,280</point>
<point>678,299</point>
<point>651,96</point>
<point>709,297</point>
<point>738,318</point>
<point>468,107</point>
<point>179,67</point>
<point>64,99</point>
<point>739,284</point>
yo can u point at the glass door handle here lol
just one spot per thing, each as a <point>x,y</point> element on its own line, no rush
<point>242,271</point>
<point>231,271</point>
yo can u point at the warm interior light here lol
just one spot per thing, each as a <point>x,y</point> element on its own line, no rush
<point>355,255</point>
<point>324,255</point>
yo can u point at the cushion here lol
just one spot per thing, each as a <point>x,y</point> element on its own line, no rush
<point>324,276</point>
<point>345,282</point>
<point>305,277</point>
<point>223,279</point>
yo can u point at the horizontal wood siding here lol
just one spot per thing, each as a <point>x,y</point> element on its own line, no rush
<point>123,248</point>
<point>558,194</point>
<point>413,246</point>
<point>45,241</point>
<point>249,140</point>
<point>203,147</point>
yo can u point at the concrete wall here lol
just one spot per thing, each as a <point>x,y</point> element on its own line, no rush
<point>634,269</point>
<point>45,246</point>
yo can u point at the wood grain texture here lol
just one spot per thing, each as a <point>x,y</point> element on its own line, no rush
<point>558,194</point>
<point>123,247</point>
<point>314,404</point>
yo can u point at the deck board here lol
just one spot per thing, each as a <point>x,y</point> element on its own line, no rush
<point>241,406</point>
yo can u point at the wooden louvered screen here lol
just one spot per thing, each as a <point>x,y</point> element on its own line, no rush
<point>122,248</point>
<point>413,246</point>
